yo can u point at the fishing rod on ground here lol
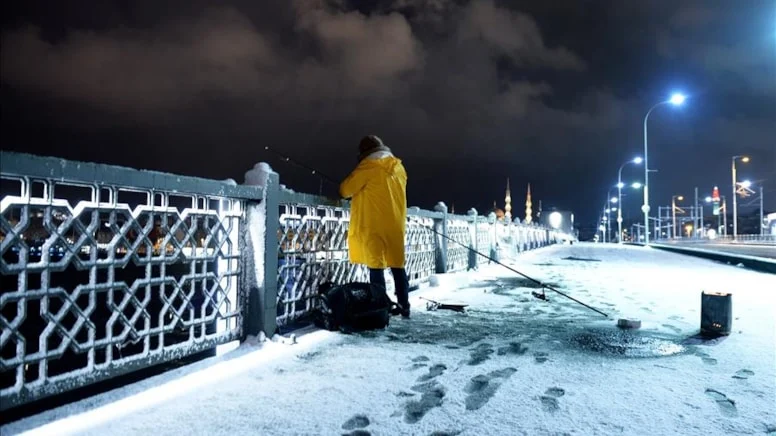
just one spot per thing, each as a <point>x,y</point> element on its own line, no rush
<point>544,286</point>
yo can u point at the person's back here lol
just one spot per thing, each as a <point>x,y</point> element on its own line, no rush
<point>378,215</point>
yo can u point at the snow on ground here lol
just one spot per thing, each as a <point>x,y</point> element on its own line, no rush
<point>511,365</point>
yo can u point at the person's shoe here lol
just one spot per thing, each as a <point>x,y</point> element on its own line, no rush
<point>405,313</point>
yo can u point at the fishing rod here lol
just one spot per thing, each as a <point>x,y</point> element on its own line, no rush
<point>538,282</point>
<point>541,296</point>
<point>313,171</point>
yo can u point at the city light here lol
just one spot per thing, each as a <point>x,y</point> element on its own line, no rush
<point>677,99</point>
<point>621,185</point>
<point>745,159</point>
<point>708,199</point>
<point>638,160</point>
<point>613,199</point>
<point>746,184</point>
<point>555,220</point>
<point>636,185</point>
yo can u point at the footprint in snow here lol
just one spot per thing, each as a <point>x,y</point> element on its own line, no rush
<point>481,388</point>
<point>515,348</point>
<point>433,372</point>
<point>743,374</point>
<point>550,399</point>
<point>432,394</point>
<point>355,422</point>
<point>726,406</point>
<point>541,357</point>
<point>479,354</point>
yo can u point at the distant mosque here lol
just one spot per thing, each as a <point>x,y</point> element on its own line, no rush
<point>506,213</point>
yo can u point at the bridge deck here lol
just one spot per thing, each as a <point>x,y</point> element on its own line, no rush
<point>513,364</point>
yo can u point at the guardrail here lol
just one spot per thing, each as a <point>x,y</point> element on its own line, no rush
<point>107,270</point>
<point>747,239</point>
<point>740,239</point>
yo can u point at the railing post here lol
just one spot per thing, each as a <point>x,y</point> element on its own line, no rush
<point>472,238</point>
<point>260,260</point>
<point>440,225</point>
<point>493,222</point>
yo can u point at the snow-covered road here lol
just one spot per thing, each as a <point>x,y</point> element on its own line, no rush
<point>512,365</point>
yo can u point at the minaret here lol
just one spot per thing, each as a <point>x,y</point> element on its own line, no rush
<point>508,206</point>
<point>528,206</point>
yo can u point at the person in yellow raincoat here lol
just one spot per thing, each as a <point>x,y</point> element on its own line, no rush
<point>378,216</point>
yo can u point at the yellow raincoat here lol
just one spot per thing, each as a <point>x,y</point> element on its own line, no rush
<point>378,214</point>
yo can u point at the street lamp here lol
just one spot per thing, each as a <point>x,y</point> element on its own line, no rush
<point>620,185</point>
<point>609,209</point>
<point>676,100</point>
<point>636,185</point>
<point>673,212</point>
<point>744,159</point>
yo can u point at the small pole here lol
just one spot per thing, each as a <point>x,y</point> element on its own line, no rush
<point>762,218</point>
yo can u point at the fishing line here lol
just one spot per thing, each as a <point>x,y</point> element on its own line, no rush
<point>538,282</point>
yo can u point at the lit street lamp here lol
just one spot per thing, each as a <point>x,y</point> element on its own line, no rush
<point>673,212</point>
<point>744,159</point>
<point>676,100</point>
<point>609,209</point>
<point>620,185</point>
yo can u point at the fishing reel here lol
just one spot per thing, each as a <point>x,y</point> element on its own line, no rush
<point>541,296</point>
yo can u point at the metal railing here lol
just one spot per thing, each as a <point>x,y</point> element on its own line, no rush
<point>748,239</point>
<point>726,239</point>
<point>108,270</point>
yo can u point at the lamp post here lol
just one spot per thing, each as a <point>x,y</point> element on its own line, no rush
<point>609,201</point>
<point>676,100</point>
<point>620,185</point>
<point>744,159</point>
<point>673,213</point>
<point>724,215</point>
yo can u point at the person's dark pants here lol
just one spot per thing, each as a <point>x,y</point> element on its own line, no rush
<point>401,283</point>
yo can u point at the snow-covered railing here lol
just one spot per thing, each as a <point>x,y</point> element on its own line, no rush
<point>312,249</point>
<point>106,270</point>
<point>746,239</point>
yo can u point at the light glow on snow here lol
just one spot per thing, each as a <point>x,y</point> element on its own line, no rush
<point>177,389</point>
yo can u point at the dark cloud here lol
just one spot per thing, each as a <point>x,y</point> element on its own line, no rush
<point>467,92</point>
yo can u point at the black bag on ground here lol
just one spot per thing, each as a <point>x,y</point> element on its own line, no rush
<point>351,307</point>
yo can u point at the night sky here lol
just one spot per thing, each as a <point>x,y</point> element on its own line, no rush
<point>466,93</point>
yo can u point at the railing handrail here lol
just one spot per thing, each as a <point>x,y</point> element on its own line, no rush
<point>252,281</point>
<point>46,167</point>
